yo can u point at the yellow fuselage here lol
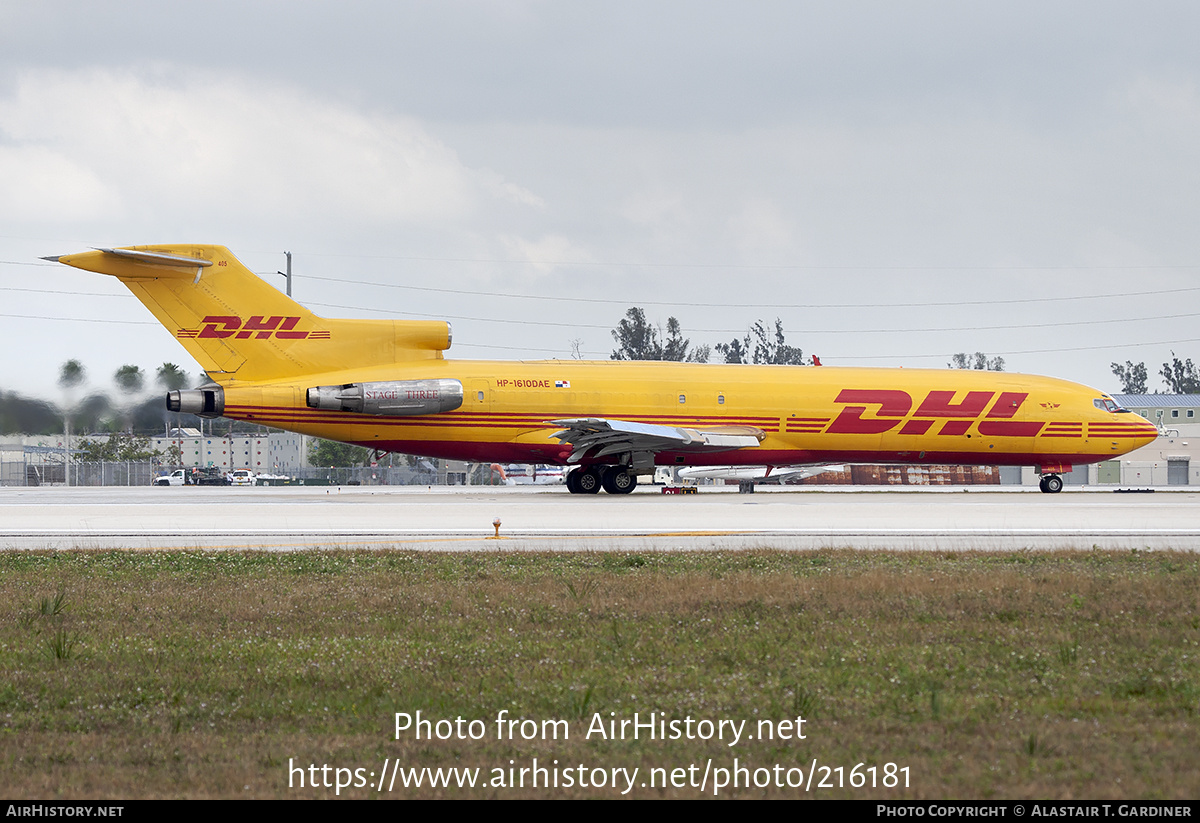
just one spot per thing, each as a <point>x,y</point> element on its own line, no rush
<point>808,414</point>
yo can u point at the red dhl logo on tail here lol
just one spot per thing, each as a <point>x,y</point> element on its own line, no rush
<point>895,407</point>
<point>258,327</point>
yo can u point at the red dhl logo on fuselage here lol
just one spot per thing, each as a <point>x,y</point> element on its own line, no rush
<point>259,327</point>
<point>895,407</point>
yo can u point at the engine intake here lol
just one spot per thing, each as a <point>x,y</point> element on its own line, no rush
<point>207,402</point>
<point>391,398</point>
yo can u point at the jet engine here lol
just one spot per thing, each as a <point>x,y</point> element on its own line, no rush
<point>208,401</point>
<point>390,398</point>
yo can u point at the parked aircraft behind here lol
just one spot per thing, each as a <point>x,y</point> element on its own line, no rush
<point>753,474</point>
<point>748,476</point>
<point>386,384</point>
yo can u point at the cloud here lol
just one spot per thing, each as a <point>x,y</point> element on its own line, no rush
<point>43,185</point>
<point>759,226</point>
<point>545,253</point>
<point>83,144</point>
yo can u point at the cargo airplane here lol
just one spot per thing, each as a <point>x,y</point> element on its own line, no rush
<point>386,385</point>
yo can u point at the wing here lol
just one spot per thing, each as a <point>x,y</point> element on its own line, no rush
<point>596,437</point>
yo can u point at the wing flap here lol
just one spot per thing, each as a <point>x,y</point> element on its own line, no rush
<point>611,437</point>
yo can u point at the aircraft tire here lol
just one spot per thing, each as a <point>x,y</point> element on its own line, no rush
<point>617,480</point>
<point>573,482</point>
<point>1053,484</point>
<point>589,481</point>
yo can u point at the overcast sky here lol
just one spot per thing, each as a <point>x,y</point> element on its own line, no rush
<point>895,181</point>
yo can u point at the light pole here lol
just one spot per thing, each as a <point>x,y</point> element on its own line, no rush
<point>288,273</point>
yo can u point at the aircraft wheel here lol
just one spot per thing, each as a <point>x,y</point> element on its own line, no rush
<point>1053,484</point>
<point>589,481</point>
<point>1042,483</point>
<point>617,480</point>
<point>573,482</point>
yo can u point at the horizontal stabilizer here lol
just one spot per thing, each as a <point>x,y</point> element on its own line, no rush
<point>154,259</point>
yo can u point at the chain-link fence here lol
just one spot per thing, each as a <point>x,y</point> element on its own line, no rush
<point>41,473</point>
<point>31,472</point>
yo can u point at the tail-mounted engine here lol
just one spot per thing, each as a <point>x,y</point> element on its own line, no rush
<point>204,402</point>
<point>392,398</point>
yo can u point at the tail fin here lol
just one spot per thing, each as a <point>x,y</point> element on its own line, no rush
<point>239,328</point>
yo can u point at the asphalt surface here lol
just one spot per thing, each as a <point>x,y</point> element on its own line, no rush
<point>548,518</point>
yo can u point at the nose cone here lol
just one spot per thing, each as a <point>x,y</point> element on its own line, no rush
<point>1146,434</point>
<point>1126,431</point>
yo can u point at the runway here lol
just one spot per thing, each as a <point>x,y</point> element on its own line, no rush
<point>548,518</point>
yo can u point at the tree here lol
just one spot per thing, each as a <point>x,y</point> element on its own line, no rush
<point>173,456</point>
<point>70,378</point>
<point>1181,377</point>
<point>638,340</point>
<point>735,351</point>
<point>761,347</point>
<point>979,361</point>
<point>23,415</point>
<point>130,381</point>
<point>118,447</point>
<point>92,412</point>
<point>171,377</point>
<point>71,375</point>
<point>675,348</point>
<point>333,453</point>
<point>1132,377</point>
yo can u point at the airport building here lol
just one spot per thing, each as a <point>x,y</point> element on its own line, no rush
<point>1174,458</point>
<point>275,452</point>
<point>269,452</point>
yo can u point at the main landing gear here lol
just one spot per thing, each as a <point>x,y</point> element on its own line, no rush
<point>1050,483</point>
<point>589,480</point>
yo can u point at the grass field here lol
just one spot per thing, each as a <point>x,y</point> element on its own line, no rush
<point>224,674</point>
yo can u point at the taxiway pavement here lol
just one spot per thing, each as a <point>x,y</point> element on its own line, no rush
<point>548,518</point>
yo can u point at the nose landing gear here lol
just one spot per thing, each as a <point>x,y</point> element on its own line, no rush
<point>1050,483</point>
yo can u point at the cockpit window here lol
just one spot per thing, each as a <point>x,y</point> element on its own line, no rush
<point>1107,404</point>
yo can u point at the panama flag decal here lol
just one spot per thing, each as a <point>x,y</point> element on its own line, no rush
<point>562,384</point>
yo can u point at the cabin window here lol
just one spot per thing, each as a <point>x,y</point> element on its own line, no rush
<point>683,398</point>
<point>720,400</point>
<point>480,396</point>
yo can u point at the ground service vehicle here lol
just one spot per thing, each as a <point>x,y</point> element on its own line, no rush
<point>179,477</point>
